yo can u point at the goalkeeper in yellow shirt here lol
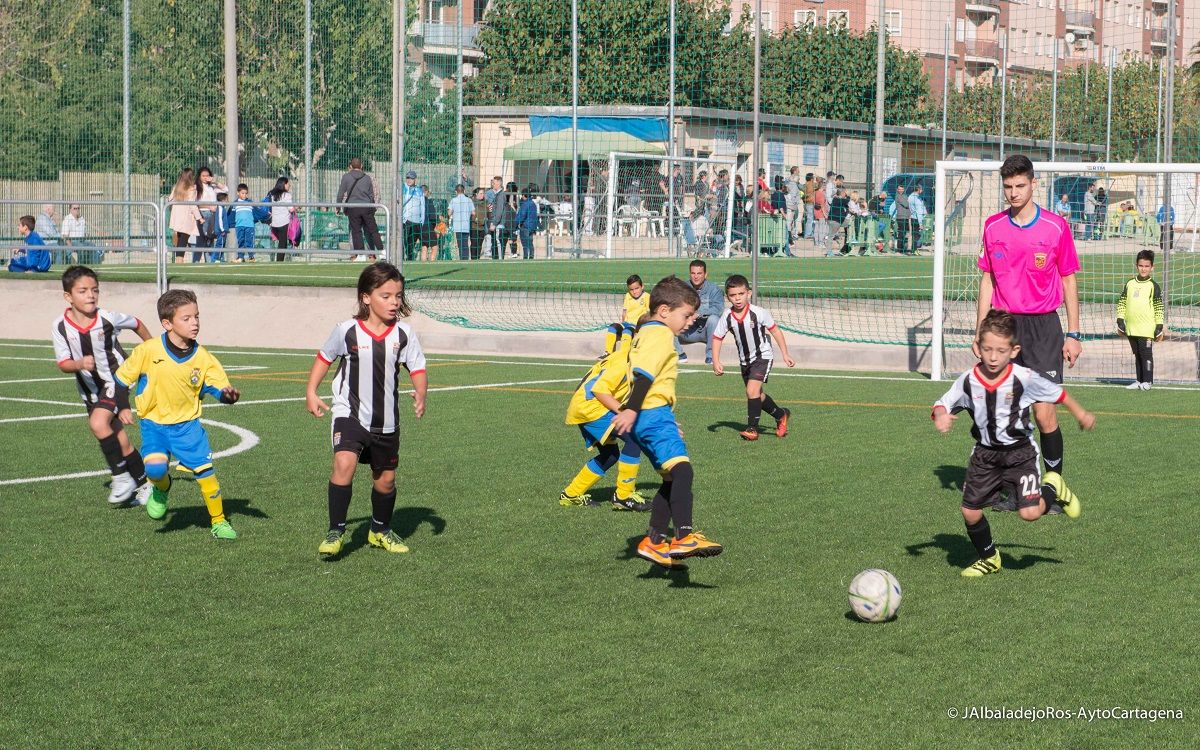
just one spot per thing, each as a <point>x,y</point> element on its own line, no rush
<point>1140,318</point>
<point>169,376</point>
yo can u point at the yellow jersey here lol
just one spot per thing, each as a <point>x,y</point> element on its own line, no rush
<point>609,375</point>
<point>653,355</point>
<point>167,389</point>
<point>635,308</point>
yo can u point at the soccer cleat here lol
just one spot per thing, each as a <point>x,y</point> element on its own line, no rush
<point>389,542</point>
<point>121,489</point>
<point>142,495</point>
<point>694,545</point>
<point>1134,386</point>
<point>634,502</point>
<point>1003,501</point>
<point>333,543</point>
<point>750,433</point>
<point>655,552</point>
<point>156,506</point>
<point>223,530</point>
<point>1066,498</point>
<point>569,501</point>
<point>683,356</point>
<point>1146,386</point>
<point>782,423</point>
<point>983,567</point>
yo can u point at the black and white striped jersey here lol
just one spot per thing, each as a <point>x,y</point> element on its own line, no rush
<point>99,339</point>
<point>751,332</point>
<point>1000,410</point>
<point>367,381</point>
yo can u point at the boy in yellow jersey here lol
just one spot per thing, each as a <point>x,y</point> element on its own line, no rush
<point>635,305</point>
<point>1140,317</point>
<point>649,418</point>
<point>593,405</point>
<point>169,375</point>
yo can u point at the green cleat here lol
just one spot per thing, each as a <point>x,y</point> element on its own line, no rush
<point>635,502</point>
<point>156,505</point>
<point>333,543</point>
<point>389,542</point>
<point>1065,497</point>
<point>223,530</point>
<point>574,501</point>
<point>983,567</point>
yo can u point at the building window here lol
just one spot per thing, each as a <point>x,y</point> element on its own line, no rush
<point>837,19</point>
<point>766,22</point>
<point>804,18</point>
<point>960,30</point>
<point>812,154</point>
<point>892,20</point>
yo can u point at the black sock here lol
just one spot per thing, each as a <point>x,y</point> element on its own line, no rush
<point>382,506</point>
<point>981,536</point>
<point>1052,450</point>
<point>770,407</point>
<point>111,448</point>
<point>660,514</point>
<point>681,498</point>
<point>753,411</point>
<point>339,505</point>
<point>137,469</point>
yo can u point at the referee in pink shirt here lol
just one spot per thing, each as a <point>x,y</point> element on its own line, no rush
<point>1029,262</point>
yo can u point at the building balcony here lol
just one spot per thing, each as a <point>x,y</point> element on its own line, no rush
<point>1082,22</point>
<point>982,52</point>
<point>1158,38</point>
<point>1159,3</point>
<point>442,38</point>
<point>984,7</point>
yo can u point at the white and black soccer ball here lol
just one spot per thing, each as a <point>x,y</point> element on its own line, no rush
<point>875,595</point>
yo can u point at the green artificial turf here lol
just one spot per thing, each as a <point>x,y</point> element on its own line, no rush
<point>516,623</point>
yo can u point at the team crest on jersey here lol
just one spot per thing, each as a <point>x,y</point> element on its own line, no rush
<point>396,347</point>
<point>194,378</point>
<point>1039,260</point>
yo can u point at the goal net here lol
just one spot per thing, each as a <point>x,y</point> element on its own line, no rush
<point>1125,213</point>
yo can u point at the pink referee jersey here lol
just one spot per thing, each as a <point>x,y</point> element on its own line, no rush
<point>1028,262</point>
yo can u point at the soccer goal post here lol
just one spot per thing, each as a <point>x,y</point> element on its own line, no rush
<point>1115,211</point>
<point>651,211</point>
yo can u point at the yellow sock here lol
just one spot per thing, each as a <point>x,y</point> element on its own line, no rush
<point>210,489</point>
<point>583,481</point>
<point>626,478</point>
<point>163,483</point>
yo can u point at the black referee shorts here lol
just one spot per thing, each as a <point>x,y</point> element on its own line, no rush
<point>759,369</point>
<point>1041,339</point>
<point>1016,469</point>
<point>381,451</point>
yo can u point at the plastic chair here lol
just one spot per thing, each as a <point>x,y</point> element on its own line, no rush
<point>625,218</point>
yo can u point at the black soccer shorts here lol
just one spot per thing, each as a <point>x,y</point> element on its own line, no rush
<point>1041,339</point>
<point>380,450</point>
<point>991,469</point>
<point>759,369</point>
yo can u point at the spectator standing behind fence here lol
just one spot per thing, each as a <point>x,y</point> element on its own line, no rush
<point>901,218</point>
<point>243,223</point>
<point>1089,212</point>
<point>1166,223</point>
<point>412,202</point>
<point>809,198</point>
<point>820,216</point>
<point>281,215</point>
<point>185,220</point>
<point>29,260</point>
<point>916,207</point>
<point>527,222</point>
<point>359,187</point>
<point>462,212</point>
<point>839,209</point>
<point>794,204</point>
<point>207,189</point>
<point>479,219</point>
<point>47,229</point>
<point>1101,213</point>
<point>501,222</point>
<point>429,236</point>
<point>74,229</point>
<point>221,224</point>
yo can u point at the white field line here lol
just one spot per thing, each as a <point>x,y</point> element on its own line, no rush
<point>35,380</point>
<point>246,441</point>
<point>11,420</point>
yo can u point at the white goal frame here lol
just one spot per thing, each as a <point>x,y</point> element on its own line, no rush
<point>937,321</point>
<point>730,162</point>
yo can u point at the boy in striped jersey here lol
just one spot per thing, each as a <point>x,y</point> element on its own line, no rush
<point>750,326</point>
<point>86,345</point>
<point>1140,317</point>
<point>998,395</point>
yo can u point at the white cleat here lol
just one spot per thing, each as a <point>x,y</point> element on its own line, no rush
<point>1133,386</point>
<point>1145,386</point>
<point>121,489</point>
<point>142,495</point>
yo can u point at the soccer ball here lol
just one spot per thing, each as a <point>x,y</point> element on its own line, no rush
<point>874,595</point>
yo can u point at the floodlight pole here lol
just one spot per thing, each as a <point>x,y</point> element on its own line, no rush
<point>458,177</point>
<point>1003,89</point>
<point>396,233</point>
<point>672,244</point>
<point>126,120</point>
<point>945,87</point>
<point>880,96</point>
<point>308,111</point>
<point>1168,157</point>
<point>1112,63</point>
<point>231,92</point>
<point>755,152</point>
<point>575,202</point>
<point>1054,105</point>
